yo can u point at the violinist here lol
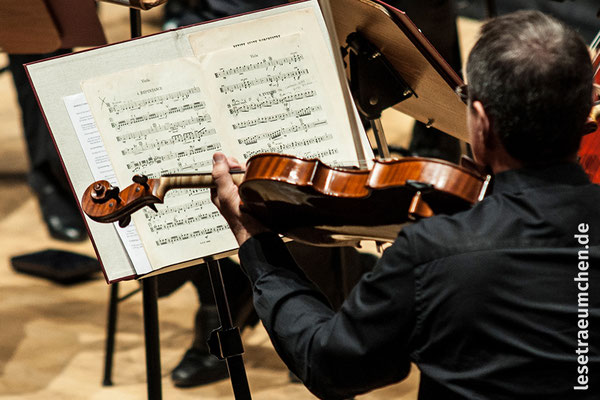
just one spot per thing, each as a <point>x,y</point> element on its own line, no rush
<point>497,302</point>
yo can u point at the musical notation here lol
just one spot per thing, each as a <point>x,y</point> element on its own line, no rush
<point>264,64</point>
<point>285,147</point>
<point>184,137</point>
<point>127,105</point>
<point>193,166</point>
<point>272,135</point>
<point>167,126</point>
<point>302,112</point>
<point>241,106</point>
<point>322,154</point>
<point>199,105</point>
<point>179,168</point>
<point>190,220</point>
<point>183,208</point>
<point>192,235</point>
<point>270,79</point>
<point>276,103</point>
<point>139,165</point>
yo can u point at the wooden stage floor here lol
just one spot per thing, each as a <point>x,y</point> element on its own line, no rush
<point>52,336</point>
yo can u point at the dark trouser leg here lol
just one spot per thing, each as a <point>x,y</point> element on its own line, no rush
<point>45,164</point>
<point>198,366</point>
<point>46,176</point>
<point>345,266</point>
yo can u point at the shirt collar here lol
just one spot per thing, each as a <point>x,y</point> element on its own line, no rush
<point>516,180</point>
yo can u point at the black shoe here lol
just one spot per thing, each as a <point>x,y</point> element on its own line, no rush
<point>65,230</point>
<point>198,368</point>
<point>61,215</point>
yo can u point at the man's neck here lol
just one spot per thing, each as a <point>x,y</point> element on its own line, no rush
<point>500,161</point>
<point>504,162</point>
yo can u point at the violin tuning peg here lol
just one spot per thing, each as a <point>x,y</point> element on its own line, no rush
<point>141,180</point>
<point>152,207</point>
<point>102,191</point>
<point>98,190</point>
<point>113,193</point>
<point>123,222</point>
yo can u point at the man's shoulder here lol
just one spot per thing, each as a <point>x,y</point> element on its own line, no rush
<point>442,235</point>
<point>534,218</point>
<point>486,225</point>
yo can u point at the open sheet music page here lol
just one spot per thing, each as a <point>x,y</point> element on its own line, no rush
<point>264,85</point>
<point>154,120</point>
<point>276,88</point>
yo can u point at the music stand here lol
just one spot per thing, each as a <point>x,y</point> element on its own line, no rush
<point>225,342</point>
<point>416,61</point>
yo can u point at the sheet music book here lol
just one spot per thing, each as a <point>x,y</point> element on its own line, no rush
<point>259,82</point>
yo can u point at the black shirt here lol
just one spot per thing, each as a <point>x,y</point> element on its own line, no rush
<point>485,302</point>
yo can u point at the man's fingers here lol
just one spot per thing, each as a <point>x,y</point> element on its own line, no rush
<point>234,163</point>
<point>225,196</point>
<point>220,166</point>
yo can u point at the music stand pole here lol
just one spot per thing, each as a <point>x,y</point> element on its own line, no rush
<point>225,342</point>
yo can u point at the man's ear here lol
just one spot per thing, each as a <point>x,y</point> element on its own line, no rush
<point>481,126</point>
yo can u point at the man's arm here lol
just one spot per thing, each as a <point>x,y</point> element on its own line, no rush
<point>361,347</point>
<point>336,355</point>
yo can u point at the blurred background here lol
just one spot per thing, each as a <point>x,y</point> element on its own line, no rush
<point>52,335</point>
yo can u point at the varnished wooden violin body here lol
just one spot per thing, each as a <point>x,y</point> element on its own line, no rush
<point>312,202</point>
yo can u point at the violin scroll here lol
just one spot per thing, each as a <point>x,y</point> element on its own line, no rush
<point>103,202</point>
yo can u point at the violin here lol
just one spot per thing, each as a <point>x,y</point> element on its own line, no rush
<point>309,201</point>
<point>589,151</point>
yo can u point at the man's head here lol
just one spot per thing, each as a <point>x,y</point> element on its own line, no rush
<point>530,83</point>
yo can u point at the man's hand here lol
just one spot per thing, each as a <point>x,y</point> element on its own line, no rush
<point>227,199</point>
